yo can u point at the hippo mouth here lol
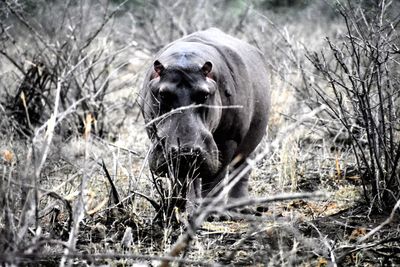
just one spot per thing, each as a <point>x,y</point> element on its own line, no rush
<point>183,163</point>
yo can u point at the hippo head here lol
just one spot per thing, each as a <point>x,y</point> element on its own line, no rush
<point>181,120</point>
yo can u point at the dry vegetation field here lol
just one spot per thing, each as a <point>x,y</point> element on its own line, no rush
<point>75,188</point>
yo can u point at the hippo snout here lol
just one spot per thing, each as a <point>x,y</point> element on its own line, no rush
<point>194,151</point>
<point>183,160</point>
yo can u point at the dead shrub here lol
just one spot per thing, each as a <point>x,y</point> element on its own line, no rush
<point>362,74</point>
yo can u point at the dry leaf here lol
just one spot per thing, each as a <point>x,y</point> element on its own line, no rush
<point>322,262</point>
<point>88,125</point>
<point>8,156</point>
<point>357,233</point>
<point>331,208</point>
<point>297,204</point>
<point>22,96</point>
<point>71,196</point>
<point>177,214</point>
<point>354,178</point>
<point>339,172</point>
<point>98,207</point>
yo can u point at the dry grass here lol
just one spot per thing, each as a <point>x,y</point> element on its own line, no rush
<point>55,195</point>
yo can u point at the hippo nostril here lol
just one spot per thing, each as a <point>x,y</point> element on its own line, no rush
<point>197,150</point>
<point>186,151</point>
<point>174,150</point>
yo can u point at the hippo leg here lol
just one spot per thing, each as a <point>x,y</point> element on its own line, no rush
<point>227,150</point>
<point>193,195</point>
<point>240,189</point>
<point>210,184</point>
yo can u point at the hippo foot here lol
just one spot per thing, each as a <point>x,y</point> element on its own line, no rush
<point>235,214</point>
<point>220,217</point>
<point>262,209</point>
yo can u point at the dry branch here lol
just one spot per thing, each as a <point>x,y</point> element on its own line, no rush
<point>379,227</point>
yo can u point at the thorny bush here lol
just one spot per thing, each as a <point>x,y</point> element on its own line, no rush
<point>365,96</point>
<point>66,49</point>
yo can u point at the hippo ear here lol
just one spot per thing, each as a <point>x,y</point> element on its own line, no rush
<point>158,68</point>
<point>206,69</point>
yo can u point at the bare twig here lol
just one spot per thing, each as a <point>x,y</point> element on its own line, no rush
<point>379,227</point>
<point>115,198</point>
<point>276,198</point>
<point>79,208</point>
<point>50,131</point>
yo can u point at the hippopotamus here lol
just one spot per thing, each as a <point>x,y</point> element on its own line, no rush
<point>205,100</point>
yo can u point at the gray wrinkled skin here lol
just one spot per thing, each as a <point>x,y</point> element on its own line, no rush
<point>211,68</point>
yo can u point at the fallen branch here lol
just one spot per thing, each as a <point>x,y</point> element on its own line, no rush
<point>355,248</point>
<point>276,198</point>
<point>379,227</point>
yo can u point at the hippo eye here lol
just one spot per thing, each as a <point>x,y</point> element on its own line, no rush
<point>165,96</point>
<point>201,97</point>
